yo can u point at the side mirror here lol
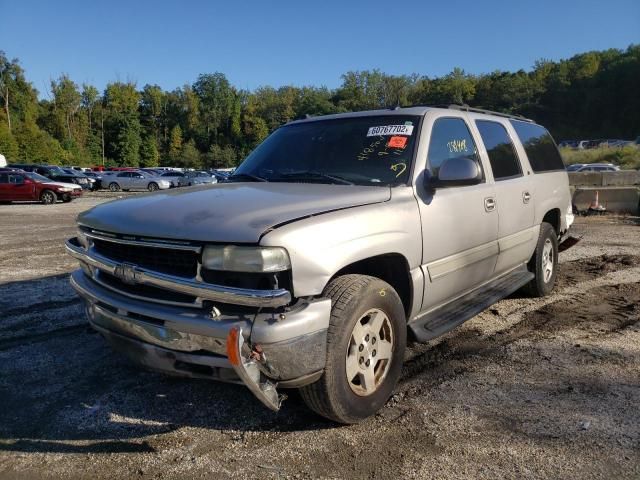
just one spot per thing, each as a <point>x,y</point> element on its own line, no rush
<point>455,172</point>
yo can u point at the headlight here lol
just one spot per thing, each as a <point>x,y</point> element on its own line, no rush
<point>64,189</point>
<point>246,259</point>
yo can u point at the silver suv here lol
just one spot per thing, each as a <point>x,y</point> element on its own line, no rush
<point>334,240</point>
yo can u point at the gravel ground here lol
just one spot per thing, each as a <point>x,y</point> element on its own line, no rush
<point>545,388</point>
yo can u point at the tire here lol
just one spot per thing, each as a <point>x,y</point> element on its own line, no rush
<point>47,197</point>
<point>67,198</point>
<point>543,263</point>
<point>114,187</point>
<point>153,186</point>
<point>359,299</point>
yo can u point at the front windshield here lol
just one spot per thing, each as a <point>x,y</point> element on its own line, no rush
<point>36,177</point>
<point>369,150</point>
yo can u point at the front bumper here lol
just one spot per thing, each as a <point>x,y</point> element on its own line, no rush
<point>260,350</point>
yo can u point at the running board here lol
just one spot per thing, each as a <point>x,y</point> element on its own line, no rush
<point>449,316</point>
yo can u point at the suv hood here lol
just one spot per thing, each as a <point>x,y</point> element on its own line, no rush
<point>228,212</point>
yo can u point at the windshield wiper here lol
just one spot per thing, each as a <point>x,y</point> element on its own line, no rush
<point>249,176</point>
<point>313,174</point>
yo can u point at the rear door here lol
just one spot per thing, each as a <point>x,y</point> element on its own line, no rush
<point>514,193</point>
<point>124,179</point>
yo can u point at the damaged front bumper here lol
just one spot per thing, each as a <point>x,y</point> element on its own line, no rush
<point>260,350</point>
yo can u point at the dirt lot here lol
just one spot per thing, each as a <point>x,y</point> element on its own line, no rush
<point>539,388</point>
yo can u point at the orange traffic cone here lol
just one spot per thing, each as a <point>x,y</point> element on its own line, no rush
<point>595,206</point>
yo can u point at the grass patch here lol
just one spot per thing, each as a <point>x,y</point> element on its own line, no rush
<point>627,158</point>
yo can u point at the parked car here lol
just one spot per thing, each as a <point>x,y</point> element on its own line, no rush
<point>336,238</point>
<point>176,178</point>
<point>574,167</point>
<point>24,186</point>
<point>220,176</point>
<point>598,167</point>
<point>55,173</point>
<point>197,177</point>
<point>135,181</point>
<point>152,171</point>
<point>82,175</point>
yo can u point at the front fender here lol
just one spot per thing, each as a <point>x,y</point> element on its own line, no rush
<point>322,245</point>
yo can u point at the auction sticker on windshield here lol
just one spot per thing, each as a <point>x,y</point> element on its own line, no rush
<point>390,130</point>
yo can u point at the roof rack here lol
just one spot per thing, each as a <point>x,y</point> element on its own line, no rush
<point>467,108</point>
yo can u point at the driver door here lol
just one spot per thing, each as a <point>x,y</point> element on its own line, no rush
<point>459,223</point>
<point>18,189</point>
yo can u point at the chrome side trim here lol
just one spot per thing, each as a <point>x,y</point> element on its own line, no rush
<point>153,243</point>
<point>450,264</point>
<point>515,239</point>
<point>216,293</point>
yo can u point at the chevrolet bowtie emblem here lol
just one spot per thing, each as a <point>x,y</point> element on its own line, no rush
<point>126,272</point>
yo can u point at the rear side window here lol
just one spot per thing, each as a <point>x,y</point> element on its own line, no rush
<point>450,138</point>
<point>502,154</point>
<point>541,150</point>
<point>4,178</point>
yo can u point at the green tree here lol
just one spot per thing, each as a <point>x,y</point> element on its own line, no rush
<point>189,156</point>
<point>8,144</point>
<point>175,144</point>
<point>122,123</point>
<point>149,155</point>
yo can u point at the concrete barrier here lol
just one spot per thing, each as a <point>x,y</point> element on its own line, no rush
<point>614,199</point>
<point>621,178</point>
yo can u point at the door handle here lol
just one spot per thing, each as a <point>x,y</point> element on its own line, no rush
<point>489,204</point>
<point>526,196</point>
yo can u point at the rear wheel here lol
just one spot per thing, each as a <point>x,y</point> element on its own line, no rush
<point>365,348</point>
<point>47,197</point>
<point>114,187</point>
<point>544,263</point>
<point>153,186</point>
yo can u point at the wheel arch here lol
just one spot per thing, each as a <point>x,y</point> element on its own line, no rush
<point>552,217</point>
<point>392,268</point>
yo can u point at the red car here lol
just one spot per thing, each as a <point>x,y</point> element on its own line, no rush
<point>24,186</point>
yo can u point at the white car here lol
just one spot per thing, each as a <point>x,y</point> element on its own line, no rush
<point>177,178</point>
<point>134,181</point>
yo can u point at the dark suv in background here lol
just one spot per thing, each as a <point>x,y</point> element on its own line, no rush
<point>55,173</point>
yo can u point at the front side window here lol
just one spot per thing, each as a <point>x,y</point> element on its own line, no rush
<point>450,138</point>
<point>502,154</point>
<point>540,148</point>
<point>16,179</point>
<point>366,150</point>
<point>4,178</point>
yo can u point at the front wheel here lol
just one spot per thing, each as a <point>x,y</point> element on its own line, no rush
<point>365,347</point>
<point>544,263</point>
<point>48,197</point>
<point>114,187</point>
<point>153,186</point>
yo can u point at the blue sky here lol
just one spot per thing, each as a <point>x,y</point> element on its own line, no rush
<point>298,42</point>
